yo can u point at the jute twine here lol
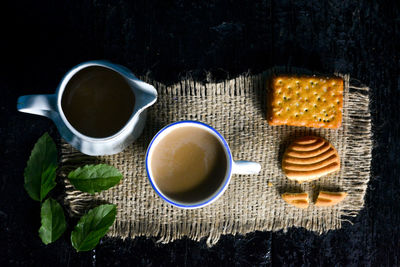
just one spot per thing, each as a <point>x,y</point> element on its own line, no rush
<point>236,108</point>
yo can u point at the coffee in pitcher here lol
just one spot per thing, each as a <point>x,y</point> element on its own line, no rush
<point>98,101</point>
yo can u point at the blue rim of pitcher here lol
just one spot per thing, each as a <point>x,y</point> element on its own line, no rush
<point>218,193</point>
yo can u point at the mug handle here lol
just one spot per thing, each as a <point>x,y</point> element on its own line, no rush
<point>246,167</point>
<point>43,105</point>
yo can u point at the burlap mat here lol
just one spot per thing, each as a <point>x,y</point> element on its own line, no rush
<point>237,109</point>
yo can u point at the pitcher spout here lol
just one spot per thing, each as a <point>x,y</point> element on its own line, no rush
<point>43,105</point>
<point>145,94</point>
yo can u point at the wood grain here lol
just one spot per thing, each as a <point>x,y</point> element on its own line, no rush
<point>168,40</point>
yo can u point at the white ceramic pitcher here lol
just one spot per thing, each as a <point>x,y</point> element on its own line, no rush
<point>50,106</point>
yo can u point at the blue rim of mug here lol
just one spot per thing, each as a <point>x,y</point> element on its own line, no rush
<point>227,177</point>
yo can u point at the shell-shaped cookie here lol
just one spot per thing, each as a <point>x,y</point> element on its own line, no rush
<point>299,200</point>
<point>310,158</point>
<point>327,199</point>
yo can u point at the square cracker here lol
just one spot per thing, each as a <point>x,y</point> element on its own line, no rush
<point>309,101</point>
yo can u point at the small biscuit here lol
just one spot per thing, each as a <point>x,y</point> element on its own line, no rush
<point>327,199</point>
<point>310,158</point>
<point>305,101</point>
<point>299,200</point>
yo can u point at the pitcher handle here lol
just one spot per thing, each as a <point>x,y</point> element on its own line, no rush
<point>246,167</point>
<point>43,105</point>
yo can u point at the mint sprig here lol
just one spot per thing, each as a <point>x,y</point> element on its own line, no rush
<point>40,176</point>
<point>53,221</point>
<point>94,178</point>
<point>40,172</point>
<point>92,227</point>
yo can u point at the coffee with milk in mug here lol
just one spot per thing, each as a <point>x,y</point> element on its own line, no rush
<point>188,164</point>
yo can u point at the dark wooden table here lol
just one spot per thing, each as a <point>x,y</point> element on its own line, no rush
<point>168,40</point>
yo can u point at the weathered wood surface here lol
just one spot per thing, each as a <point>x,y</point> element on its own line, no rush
<point>168,40</point>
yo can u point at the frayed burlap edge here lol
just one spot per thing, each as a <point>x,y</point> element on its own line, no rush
<point>355,172</point>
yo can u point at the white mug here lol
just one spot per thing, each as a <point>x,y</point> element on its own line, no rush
<point>232,167</point>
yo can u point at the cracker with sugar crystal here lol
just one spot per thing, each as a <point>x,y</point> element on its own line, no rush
<point>310,101</point>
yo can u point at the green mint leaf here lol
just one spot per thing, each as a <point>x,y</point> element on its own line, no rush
<point>53,221</point>
<point>40,171</point>
<point>94,178</point>
<point>92,227</point>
